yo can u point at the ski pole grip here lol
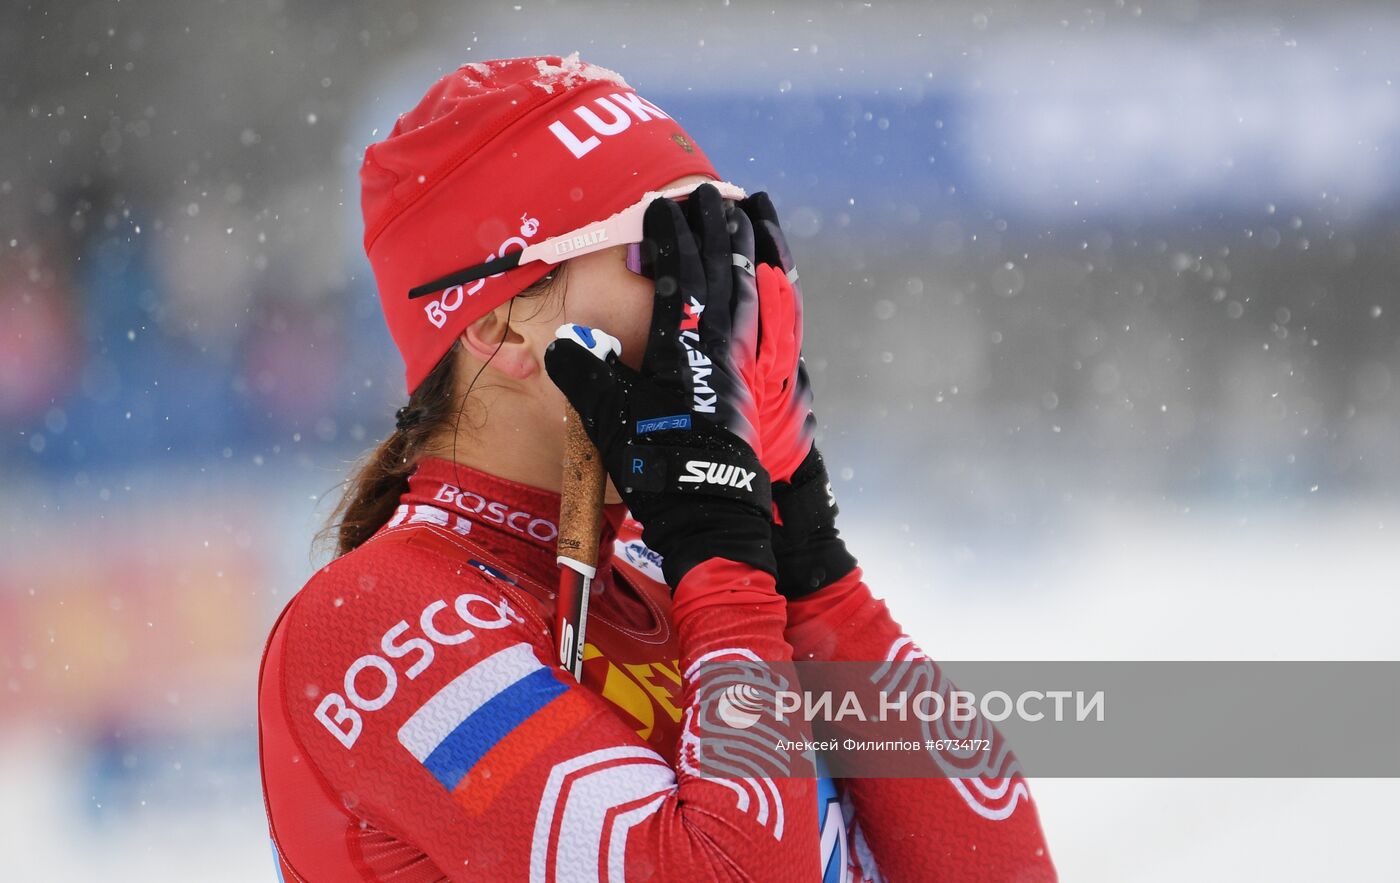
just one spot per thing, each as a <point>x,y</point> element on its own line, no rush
<point>581,495</point>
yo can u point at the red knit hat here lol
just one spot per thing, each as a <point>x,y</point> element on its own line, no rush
<point>496,156</point>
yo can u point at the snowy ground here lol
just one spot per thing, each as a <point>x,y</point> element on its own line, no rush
<point>1130,582</point>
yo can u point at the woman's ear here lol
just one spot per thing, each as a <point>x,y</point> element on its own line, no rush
<point>500,345</point>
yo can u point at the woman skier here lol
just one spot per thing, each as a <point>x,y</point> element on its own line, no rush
<point>414,722</point>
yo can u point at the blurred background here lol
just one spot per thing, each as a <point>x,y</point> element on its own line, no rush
<point>1102,317</point>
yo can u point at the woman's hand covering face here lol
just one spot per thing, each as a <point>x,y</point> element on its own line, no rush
<point>680,437</point>
<point>780,383</point>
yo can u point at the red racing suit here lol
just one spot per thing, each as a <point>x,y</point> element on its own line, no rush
<point>414,727</point>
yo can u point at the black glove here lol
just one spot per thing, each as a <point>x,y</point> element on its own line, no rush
<point>677,436</point>
<point>807,545</point>
<point>810,552</point>
<point>779,379</point>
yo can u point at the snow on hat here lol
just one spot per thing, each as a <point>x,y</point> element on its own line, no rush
<point>496,156</point>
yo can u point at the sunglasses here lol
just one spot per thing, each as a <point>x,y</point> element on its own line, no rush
<point>623,228</point>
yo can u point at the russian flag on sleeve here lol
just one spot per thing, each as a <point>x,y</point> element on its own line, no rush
<point>489,722</point>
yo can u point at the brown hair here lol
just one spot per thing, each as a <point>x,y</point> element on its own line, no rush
<point>372,491</point>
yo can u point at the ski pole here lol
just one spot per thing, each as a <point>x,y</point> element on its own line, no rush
<point>580,522</point>
<point>580,514</point>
